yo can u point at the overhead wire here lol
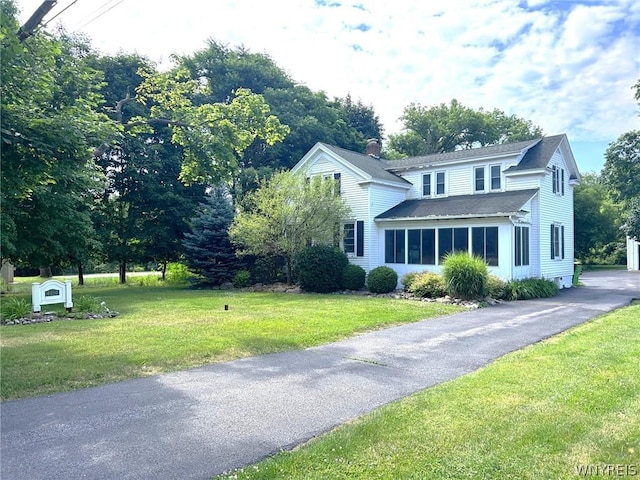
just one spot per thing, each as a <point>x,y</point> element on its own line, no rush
<point>104,5</point>
<point>60,13</point>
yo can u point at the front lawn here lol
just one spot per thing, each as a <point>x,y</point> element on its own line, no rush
<point>566,408</point>
<point>163,329</point>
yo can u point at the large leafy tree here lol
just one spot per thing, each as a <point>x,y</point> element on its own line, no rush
<point>622,171</point>
<point>286,213</point>
<point>597,220</point>
<point>208,249</point>
<point>448,127</point>
<point>50,125</point>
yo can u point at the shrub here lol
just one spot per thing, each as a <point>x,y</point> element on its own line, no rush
<point>177,274</point>
<point>495,287</point>
<point>429,285</point>
<point>382,280</point>
<point>87,304</point>
<point>465,276</point>
<point>407,280</point>
<point>242,279</point>
<point>353,277</point>
<point>319,268</point>
<point>529,288</point>
<point>15,308</point>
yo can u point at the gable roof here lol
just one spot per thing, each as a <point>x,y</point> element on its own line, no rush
<point>498,204</point>
<point>372,166</point>
<point>538,155</point>
<point>504,149</point>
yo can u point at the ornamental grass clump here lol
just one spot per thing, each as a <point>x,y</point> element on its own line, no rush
<point>529,288</point>
<point>465,276</point>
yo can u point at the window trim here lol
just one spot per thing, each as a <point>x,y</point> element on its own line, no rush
<point>522,246</point>
<point>499,177</point>
<point>482,179</point>
<point>424,176</point>
<point>557,242</point>
<point>444,183</point>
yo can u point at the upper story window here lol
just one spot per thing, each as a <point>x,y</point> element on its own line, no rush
<point>440,183</point>
<point>337,178</point>
<point>495,177</point>
<point>557,177</point>
<point>478,179</point>
<point>426,185</point>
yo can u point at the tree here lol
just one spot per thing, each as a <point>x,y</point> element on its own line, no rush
<point>208,249</point>
<point>445,128</point>
<point>49,127</point>
<point>285,214</point>
<point>597,220</point>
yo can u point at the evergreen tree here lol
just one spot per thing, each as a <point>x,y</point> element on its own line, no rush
<point>208,250</point>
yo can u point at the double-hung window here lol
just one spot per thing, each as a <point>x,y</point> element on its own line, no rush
<point>353,238</point>
<point>426,185</point>
<point>557,177</point>
<point>557,241</point>
<point>440,183</point>
<point>478,179</point>
<point>495,173</point>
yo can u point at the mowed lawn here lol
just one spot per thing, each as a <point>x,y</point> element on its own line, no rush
<point>161,329</point>
<point>566,408</point>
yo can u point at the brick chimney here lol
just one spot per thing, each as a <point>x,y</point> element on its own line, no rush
<point>374,147</point>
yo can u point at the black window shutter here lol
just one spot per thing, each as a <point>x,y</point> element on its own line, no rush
<point>562,179</point>
<point>360,238</point>
<point>552,230</point>
<point>562,239</point>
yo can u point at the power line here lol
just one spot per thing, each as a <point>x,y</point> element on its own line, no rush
<point>100,14</point>
<point>60,12</point>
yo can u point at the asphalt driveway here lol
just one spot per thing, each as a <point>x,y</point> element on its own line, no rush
<point>197,423</point>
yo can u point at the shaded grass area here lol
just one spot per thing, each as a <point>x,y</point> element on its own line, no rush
<point>165,329</point>
<point>565,408</point>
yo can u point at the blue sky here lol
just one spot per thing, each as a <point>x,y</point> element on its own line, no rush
<point>568,66</point>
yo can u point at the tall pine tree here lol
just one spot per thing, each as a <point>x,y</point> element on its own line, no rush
<point>208,250</point>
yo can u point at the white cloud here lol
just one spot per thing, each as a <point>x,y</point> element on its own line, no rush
<point>567,66</point>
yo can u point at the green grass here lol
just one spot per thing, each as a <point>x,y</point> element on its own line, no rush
<point>569,402</point>
<point>165,329</point>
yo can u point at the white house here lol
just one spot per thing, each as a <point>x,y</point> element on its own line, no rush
<point>633,254</point>
<point>511,204</point>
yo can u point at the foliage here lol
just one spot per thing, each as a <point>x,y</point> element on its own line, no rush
<point>353,277</point>
<point>49,128</point>
<point>465,276</point>
<point>284,214</point>
<point>242,279</point>
<point>178,274</point>
<point>15,308</point>
<point>87,304</point>
<point>408,279</point>
<point>208,249</point>
<point>319,268</point>
<point>382,279</point>
<point>529,288</point>
<point>495,287</point>
<point>597,219</point>
<point>428,285</point>
<point>445,128</point>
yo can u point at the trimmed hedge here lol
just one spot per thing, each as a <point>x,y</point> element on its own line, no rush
<point>320,267</point>
<point>353,277</point>
<point>382,280</point>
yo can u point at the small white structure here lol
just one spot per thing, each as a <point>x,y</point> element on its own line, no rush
<point>633,254</point>
<point>50,292</point>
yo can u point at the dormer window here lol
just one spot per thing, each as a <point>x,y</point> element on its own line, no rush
<point>495,177</point>
<point>440,183</point>
<point>478,179</point>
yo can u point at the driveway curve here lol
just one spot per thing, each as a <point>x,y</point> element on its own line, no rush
<point>197,423</point>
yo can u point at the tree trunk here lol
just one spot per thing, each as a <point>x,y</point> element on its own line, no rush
<point>164,270</point>
<point>80,275</point>
<point>289,273</point>
<point>123,272</point>
<point>45,272</point>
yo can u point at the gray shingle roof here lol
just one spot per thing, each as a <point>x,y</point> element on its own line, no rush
<point>489,204</point>
<point>468,154</point>
<point>540,154</point>
<point>370,165</point>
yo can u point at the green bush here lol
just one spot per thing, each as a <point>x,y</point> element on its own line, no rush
<point>407,280</point>
<point>242,279</point>
<point>382,280</point>
<point>428,285</point>
<point>529,288</point>
<point>319,268</point>
<point>465,276</point>
<point>353,277</point>
<point>15,308</point>
<point>495,287</point>
<point>177,274</point>
<point>87,304</point>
